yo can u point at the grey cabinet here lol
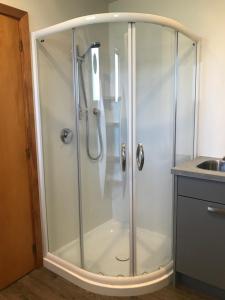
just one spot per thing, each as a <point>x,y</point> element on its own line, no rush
<point>200,230</point>
<point>201,189</point>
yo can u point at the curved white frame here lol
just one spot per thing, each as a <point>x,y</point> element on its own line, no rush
<point>108,285</point>
<point>117,286</point>
<point>116,17</point>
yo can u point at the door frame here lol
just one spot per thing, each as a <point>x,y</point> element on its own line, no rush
<point>132,143</point>
<point>22,17</point>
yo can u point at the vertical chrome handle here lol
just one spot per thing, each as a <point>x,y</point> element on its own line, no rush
<point>123,157</point>
<point>140,157</point>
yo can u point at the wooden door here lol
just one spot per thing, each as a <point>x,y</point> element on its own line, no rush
<point>17,230</point>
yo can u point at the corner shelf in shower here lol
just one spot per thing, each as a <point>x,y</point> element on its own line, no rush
<point>111,99</point>
<point>114,178</point>
<point>112,124</point>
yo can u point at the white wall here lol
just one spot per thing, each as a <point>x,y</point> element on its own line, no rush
<point>43,13</point>
<point>206,18</point>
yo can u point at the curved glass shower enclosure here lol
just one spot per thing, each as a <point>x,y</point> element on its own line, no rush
<point>117,111</point>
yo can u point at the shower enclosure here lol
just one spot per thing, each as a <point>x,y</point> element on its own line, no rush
<point>115,107</point>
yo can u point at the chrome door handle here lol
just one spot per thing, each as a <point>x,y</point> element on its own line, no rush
<point>140,157</point>
<point>123,157</point>
<point>215,210</point>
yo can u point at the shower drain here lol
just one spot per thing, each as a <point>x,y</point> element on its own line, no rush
<point>122,258</point>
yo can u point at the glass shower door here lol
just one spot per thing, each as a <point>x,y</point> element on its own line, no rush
<point>153,146</point>
<point>59,144</point>
<point>100,57</point>
<point>186,97</point>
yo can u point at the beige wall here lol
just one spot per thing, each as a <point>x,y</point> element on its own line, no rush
<point>206,18</point>
<point>43,13</point>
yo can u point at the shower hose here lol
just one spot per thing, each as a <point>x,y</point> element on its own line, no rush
<point>96,112</point>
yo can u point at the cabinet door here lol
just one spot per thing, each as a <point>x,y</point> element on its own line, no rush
<point>201,240</point>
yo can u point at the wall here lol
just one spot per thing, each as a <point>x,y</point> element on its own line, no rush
<point>43,13</point>
<point>206,18</point>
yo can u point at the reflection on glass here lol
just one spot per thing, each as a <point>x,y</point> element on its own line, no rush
<point>116,75</point>
<point>95,73</point>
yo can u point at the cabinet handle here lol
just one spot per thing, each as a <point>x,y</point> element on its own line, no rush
<point>215,210</point>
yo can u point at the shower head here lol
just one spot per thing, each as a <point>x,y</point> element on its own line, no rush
<point>95,45</point>
<point>92,45</point>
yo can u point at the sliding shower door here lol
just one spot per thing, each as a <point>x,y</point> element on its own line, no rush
<point>153,145</point>
<point>59,145</point>
<point>101,78</point>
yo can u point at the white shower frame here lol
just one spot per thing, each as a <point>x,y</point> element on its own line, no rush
<point>107,285</point>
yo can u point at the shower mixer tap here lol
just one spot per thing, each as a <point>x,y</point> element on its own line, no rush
<point>96,111</point>
<point>66,135</point>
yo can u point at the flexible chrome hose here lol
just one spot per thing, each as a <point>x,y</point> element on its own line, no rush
<point>98,156</point>
<point>96,112</point>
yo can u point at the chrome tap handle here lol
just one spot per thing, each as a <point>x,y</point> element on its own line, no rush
<point>123,157</point>
<point>66,135</point>
<point>140,157</point>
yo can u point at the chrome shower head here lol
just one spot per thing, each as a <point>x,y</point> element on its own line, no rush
<point>96,45</point>
<point>92,45</point>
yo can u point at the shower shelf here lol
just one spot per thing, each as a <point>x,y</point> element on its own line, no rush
<point>114,178</point>
<point>111,99</point>
<point>113,124</point>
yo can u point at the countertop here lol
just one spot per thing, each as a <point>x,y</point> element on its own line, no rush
<point>190,169</point>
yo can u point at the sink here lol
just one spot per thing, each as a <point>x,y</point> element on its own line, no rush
<point>213,165</point>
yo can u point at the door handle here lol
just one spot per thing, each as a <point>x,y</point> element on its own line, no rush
<point>215,210</point>
<point>123,157</point>
<point>140,157</point>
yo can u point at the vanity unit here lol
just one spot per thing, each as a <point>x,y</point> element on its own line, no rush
<point>199,228</point>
